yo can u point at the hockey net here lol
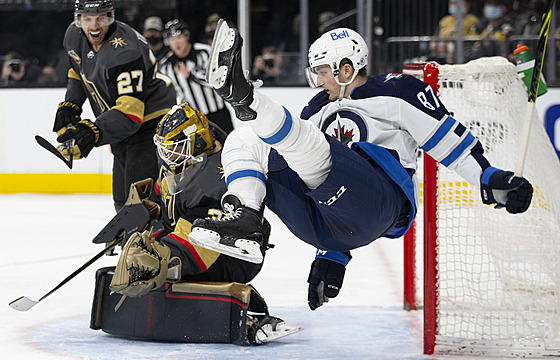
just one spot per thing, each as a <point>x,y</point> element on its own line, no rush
<point>491,279</point>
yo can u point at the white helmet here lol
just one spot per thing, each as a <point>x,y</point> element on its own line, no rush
<point>331,48</point>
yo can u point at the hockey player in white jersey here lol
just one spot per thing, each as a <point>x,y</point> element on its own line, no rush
<point>347,176</point>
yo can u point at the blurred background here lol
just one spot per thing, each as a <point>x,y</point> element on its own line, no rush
<point>280,31</point>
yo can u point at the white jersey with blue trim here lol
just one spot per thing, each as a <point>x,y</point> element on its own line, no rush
<point>401,114</point>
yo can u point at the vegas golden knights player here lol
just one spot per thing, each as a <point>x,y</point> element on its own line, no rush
<point>112,67</point>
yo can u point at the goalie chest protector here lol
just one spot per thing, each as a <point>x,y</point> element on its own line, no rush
<point>190,312</point>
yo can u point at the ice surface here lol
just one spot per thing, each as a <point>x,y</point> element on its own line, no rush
<point>46,237</point>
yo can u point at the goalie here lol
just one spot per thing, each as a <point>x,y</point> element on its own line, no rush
<point>347,176</point>
<point>190,185</point>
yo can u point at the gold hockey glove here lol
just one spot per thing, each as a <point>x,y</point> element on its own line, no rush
<point>67,114</point>
<point>142,266</point>
<point>86,135</point>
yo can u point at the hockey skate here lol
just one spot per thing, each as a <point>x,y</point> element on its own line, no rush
<point>225,71</point>
<point>238,234</point>
<point>264,329</point>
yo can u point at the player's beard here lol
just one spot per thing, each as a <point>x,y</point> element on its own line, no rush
<point>96,37</point>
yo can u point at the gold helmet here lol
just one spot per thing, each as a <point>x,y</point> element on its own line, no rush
<point>182,136</point>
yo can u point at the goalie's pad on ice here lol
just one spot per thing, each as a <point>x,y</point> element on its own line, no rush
<point>244,249</point>
<point>185,311</point>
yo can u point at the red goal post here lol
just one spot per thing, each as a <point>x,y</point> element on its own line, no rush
<point>489,283</point>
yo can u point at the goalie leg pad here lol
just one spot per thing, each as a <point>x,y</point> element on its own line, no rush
<point>188,312</point>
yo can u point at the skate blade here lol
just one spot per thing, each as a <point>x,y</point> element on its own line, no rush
<point>287,330</point>
<point>223,40</point>
<point>246,250</point>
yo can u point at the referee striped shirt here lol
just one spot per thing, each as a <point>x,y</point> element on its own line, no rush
<point>194,90</point>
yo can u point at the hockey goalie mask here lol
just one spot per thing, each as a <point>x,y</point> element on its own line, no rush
<point>330,49</point>
<point>182,136</point>
<point>94,7</point>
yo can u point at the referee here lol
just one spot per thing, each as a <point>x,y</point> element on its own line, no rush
<point>186,65</point>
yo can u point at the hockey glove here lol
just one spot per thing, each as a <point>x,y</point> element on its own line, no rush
<point>86,135</point>
<point>325,281</point>
<point>142,266</point>
<point>67,114</point>
<point>503,188</point>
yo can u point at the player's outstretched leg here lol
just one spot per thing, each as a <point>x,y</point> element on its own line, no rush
<point>225,71</point>
<point>238,234</point>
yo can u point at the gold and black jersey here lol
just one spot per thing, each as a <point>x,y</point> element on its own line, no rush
<point>121,81</point>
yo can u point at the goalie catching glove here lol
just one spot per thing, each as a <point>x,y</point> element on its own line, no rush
<point>505,189</point>
<point>86,135</point>
<point>67,114</point>
<point>143,266</point>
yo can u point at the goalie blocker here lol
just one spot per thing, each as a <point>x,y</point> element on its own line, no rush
<point>189,312</point>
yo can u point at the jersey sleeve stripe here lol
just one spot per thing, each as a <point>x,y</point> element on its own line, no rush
<point>72,74</point>
<point>442,130</point>
<point>132,107</point>
<point>468,142</point>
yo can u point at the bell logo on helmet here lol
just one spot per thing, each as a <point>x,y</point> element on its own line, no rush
<point>342,35</point>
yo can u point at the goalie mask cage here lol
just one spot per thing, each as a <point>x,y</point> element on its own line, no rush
<point>491,279</point>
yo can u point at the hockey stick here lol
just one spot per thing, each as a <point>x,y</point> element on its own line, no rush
<point>533,90</point>
<point>23,303</point>
<point>52,149</point>
<point>134,216</point>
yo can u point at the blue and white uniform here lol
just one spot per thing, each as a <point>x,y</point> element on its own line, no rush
<point>332,197</point>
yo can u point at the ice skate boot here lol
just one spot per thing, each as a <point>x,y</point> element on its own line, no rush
<point>263,329</point>
<point>238,234</point>
<point>225,71</point>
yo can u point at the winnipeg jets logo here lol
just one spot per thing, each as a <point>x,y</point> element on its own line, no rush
<point>116,42</point>
<point>343,135</point>
<point>346,126</point>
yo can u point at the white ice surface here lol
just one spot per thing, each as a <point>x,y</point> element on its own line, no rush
<point>46,237</point>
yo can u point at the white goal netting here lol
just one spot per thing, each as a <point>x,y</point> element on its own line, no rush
<point>498,274</point>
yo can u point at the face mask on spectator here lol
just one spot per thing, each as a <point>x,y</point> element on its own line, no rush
<point>492,12</point>
<point>453,10</point>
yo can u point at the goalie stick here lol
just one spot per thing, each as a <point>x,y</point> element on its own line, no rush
<point>52,149</point>
<point>533,90</point>
<point>23,303</point>
<point>129,219</point>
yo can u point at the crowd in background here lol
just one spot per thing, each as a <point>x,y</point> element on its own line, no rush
<point>30,59</point>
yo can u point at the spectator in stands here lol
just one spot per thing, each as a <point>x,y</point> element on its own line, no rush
<point>186,66</point>
<point>153,32</point>
<point>443,51</point>
<point>325,23</point>
<point>529,22</point>
<point>55,73</point>
<point>210,27</point>
<point>266,66</point>
<point>18,72</point>
<point>494,28</point>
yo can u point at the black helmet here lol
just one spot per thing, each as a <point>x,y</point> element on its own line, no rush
<point>175,27</point>
<point>94,7</point>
